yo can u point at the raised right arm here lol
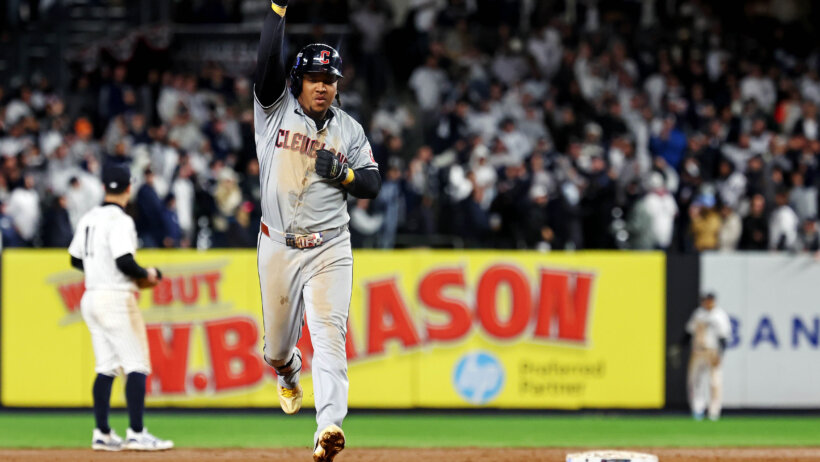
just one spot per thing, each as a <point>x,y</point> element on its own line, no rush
<point>270,79</point>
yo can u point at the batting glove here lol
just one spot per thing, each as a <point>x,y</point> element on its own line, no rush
<point>328,166</point>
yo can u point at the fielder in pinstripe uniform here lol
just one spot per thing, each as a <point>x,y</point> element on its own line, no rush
<point>311,156</point>
<point>103,248</point>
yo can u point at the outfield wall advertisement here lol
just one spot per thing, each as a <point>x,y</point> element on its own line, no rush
<point>433,329</point>
<point>773,356</point>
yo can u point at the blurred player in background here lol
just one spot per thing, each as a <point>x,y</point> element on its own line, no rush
<point>103,248</point>
<point>708,330</point>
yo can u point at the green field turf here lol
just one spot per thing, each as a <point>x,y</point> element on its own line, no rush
<point>42,430</point>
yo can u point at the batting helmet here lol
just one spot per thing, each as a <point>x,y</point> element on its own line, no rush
<point>316,57</point>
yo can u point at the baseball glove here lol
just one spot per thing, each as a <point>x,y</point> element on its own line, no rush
<point>145,283</point>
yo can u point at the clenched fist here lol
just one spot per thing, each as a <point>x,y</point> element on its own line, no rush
<point>329,166</point>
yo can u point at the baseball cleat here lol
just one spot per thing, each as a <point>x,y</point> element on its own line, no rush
<point>331,442</point>
<point>145,441</point>
<point>102,442</point>
<point>290,399</point>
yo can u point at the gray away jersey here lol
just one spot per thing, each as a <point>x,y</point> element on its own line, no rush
<point>294,198</point>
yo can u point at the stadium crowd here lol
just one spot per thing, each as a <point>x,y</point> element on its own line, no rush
<point>505,124</point>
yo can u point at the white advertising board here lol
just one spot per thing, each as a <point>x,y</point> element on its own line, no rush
<point>773,357</point>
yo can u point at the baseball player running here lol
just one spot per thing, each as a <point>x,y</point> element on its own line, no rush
<point>708,329</point>
<point>311,157</point>
<point>103,248</point>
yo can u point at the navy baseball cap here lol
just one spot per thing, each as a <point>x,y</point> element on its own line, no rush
<point>116,178</point>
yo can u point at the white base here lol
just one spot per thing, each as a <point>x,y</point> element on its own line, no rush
<point>611,456</point>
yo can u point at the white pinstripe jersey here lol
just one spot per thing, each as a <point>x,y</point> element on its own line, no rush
<point>708,327</point>
<point>104,234</point>
<point>294,198</point>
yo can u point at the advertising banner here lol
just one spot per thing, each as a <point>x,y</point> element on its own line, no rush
<point>438,329</point>
<point>772,358</point>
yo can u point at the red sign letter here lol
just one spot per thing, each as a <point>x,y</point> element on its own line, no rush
<point>385,301</point>
<point>188,295</point>
<point>169,359</point>
<point>520,301</point>
<point>211,279</point>
<point>234,341</point>
<point>163,292</point>
<point>431,294</point>
<point>569,304</point>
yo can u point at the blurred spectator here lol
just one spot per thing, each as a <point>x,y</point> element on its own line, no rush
<point>517,144</point>
<point>19,108</point>
<point>83,100</point>
<point>24,210</point>
<point>544,215</point>
<point>706,224</point>
<point>372,22</point>
<point>669,144</point>
<point>731,184</point>
<point>808,125</point>
<point>185,132</point>
<point>84,145</point>
<point>452,127</point>
<point>150,213</point>
<point>598,202</point>
<point>730,229</point>
<point>661,210</point>
<point>810,236</point>
<point>758,87</point>
<point>783,224</point>
<point>546,48</point>
<point>363,224</point>
<point>509,65</point>
<point>802,198</point>
<point>472,220</point>
<point>57,228</point>
<point>82,195</point>
<point>116,96</point>
<point>184,193</point>
<point>760,137</point>
<point>429,83</point>
<point>228,199</point>
<point>388,203</point>
<point>390,119</point>
<point>391,150</point>
<point>507,210</point>
<point>220,142</point>
<point>173,232</point>
<point>421,187</point>
<point>11,238</point>
<point>755,226</point>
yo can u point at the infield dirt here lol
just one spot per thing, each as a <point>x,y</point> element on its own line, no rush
<point>403,455</point>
